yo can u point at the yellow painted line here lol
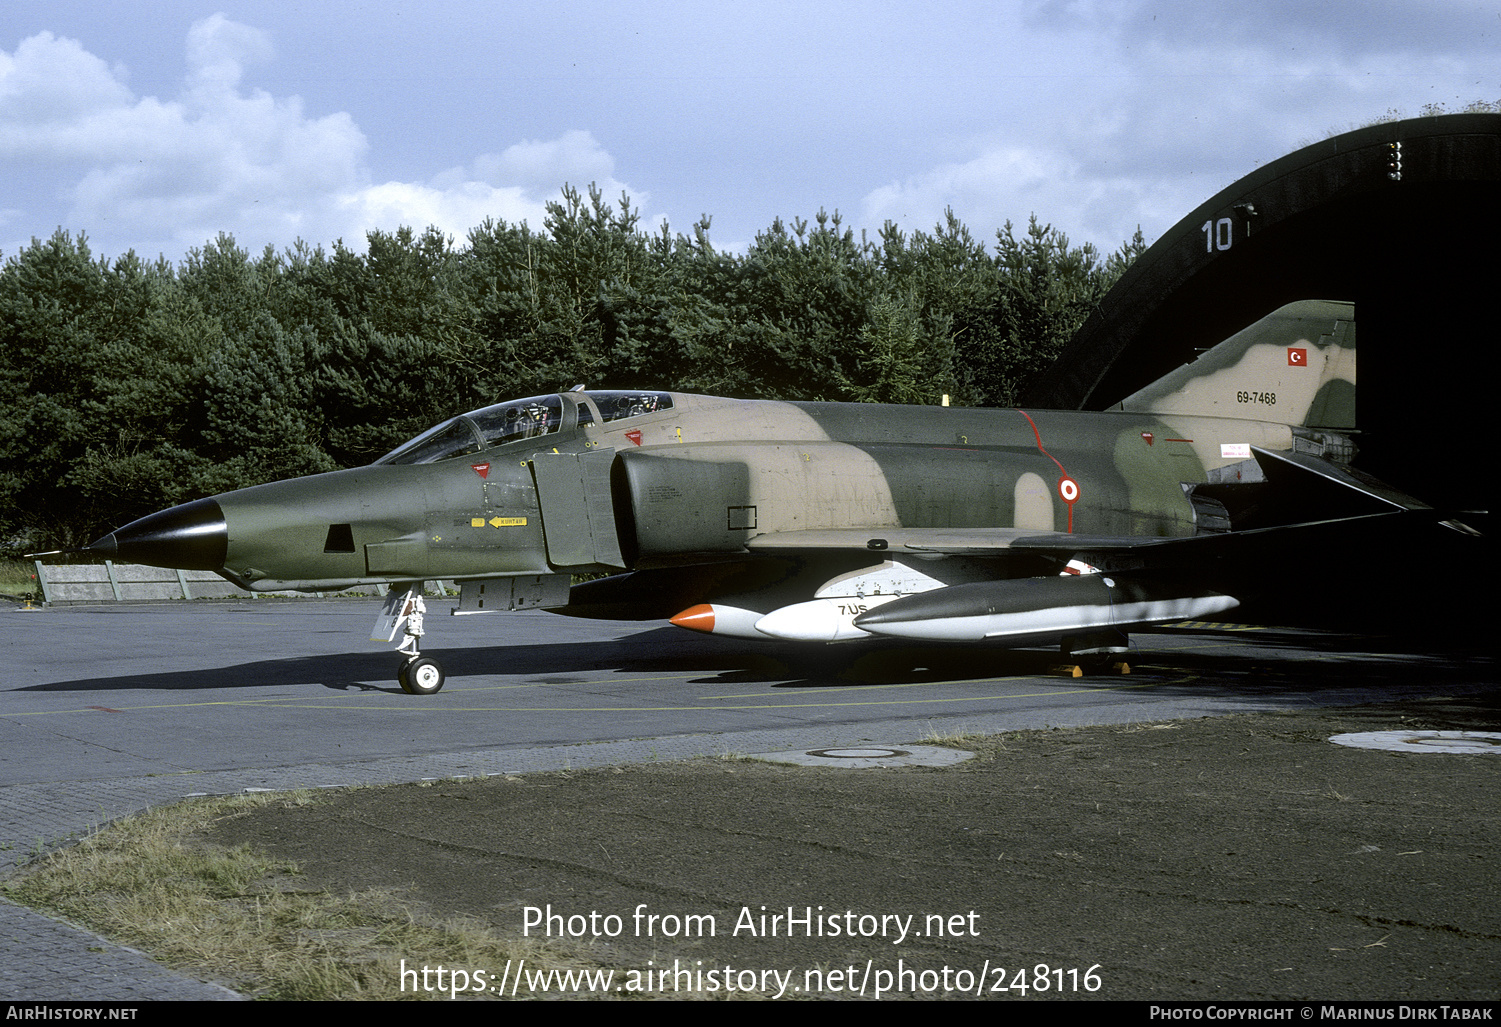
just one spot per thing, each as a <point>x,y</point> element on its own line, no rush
<point>413,707</point>
<point>791,683</point>
<point>158,706</point>
<point>581,681</point>
<point>916,684</point>
<point>710,709</point>
<point>1202,645</point>
<point>1213,625</point>
<point>290,700</point>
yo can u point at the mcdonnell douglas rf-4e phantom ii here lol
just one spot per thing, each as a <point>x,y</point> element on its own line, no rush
<point>1225,480</point>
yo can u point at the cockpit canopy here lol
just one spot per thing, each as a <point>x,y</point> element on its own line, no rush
<point>520,419</point>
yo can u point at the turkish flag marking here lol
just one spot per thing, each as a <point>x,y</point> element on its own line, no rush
<point>483,470</point>
<point>1297,357</point>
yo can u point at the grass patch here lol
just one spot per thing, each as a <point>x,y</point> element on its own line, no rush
<point>247,920</point>
<point>985,746</point>
<point>18,578</point>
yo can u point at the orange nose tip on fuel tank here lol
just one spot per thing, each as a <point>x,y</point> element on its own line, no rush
<point>696,618</point>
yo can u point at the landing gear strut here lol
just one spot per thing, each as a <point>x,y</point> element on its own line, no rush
<point>418,674</point>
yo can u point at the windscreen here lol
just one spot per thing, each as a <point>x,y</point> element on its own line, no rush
<point>491,426</point>
<point>454,437</point>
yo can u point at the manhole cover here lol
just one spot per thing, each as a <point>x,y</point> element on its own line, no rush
<point>860,757</point>
<point>1462,742</point>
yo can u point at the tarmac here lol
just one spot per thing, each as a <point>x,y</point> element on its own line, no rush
<point>41,959</point>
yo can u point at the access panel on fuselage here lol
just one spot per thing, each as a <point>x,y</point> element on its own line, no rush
<point>578,518</point>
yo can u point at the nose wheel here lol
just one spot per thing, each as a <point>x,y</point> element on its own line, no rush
<point>403,611</point>
<point>420,675</point>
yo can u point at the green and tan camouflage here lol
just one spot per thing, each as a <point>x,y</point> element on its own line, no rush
<point>834,521</point>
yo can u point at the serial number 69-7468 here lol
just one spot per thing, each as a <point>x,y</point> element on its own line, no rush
<point>1267,398</point>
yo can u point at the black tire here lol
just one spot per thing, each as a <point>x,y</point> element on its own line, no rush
<point>421,675</point>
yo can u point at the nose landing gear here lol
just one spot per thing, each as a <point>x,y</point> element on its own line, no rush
<point>418,674</point>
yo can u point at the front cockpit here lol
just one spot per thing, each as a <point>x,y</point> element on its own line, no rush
<point>526,419</point>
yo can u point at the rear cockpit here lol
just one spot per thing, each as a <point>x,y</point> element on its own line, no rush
<point>525,419</point>
<point>618,406</point>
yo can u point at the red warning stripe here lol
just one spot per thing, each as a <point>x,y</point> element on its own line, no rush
<point>1067,486</point>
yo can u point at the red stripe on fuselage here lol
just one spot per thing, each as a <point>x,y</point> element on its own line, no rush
<point>1061,469</point>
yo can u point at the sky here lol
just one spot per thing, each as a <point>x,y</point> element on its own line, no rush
<point>156,126</point>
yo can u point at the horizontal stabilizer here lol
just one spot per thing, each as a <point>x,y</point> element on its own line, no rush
<point>1299,470</point>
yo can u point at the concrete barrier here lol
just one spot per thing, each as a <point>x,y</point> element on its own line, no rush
<point>126,582</point>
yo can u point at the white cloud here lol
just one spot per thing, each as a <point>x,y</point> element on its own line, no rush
<point>513,186</point>
<point>455,209</point>
<point>547,164</point>
<point>1154,108</point>
<point>1012,183</point>
<point>48,77</point>
<point>218,51</point>
<point>165,175</point>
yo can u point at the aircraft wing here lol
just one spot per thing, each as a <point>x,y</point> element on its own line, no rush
<point>1325,493</point>
<point>1084,589</point>
<point>947,541</point>
<point>1000,541</point>
<point>1327,520</point>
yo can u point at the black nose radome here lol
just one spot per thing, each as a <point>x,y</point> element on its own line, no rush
<point>191,537</point>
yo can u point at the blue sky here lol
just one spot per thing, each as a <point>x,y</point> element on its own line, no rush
<point>156,126</point>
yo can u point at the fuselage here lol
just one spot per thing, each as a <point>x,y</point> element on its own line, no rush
<point>601,481</point>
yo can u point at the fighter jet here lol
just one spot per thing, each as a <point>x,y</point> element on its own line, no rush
<point>825,522</point>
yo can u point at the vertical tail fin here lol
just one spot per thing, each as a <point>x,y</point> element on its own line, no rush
<point>1295,366</point>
